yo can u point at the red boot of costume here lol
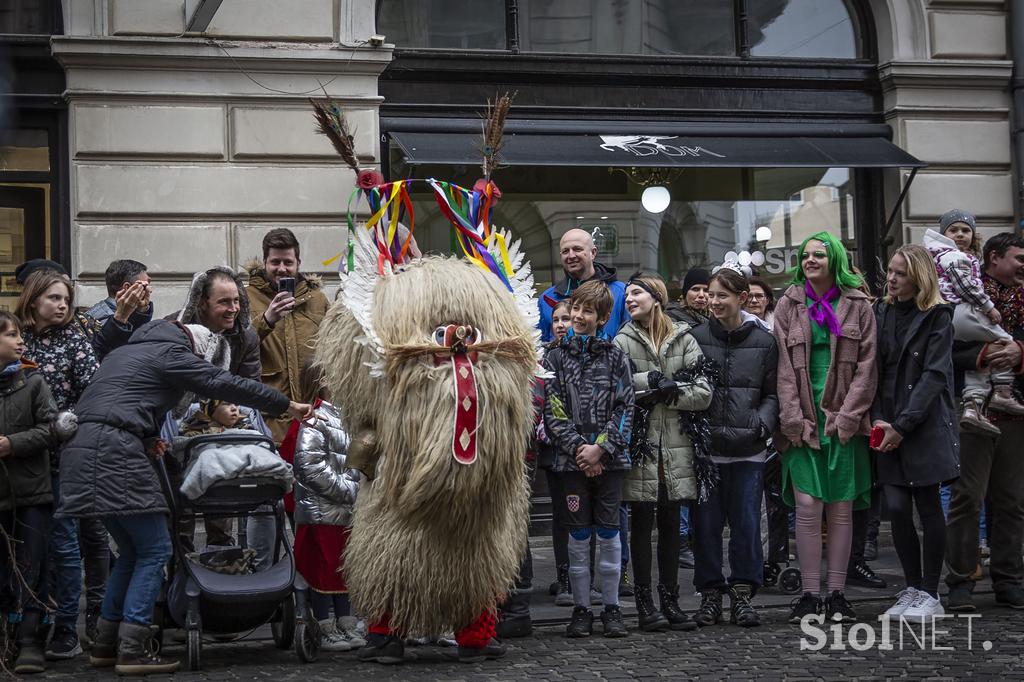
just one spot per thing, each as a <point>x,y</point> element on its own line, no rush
<point>382,645</point>
<point>477,642</point>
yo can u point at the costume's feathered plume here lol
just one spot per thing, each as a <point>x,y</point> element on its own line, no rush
<point>493,129</point>
<point>331,121</point>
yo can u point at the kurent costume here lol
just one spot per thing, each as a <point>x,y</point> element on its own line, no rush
<point>430,363</point>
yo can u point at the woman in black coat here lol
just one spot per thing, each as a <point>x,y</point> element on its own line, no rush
<point>913,410</point>
<point>107,473</point>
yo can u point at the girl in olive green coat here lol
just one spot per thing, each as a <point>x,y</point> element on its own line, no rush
<point>656,486</point>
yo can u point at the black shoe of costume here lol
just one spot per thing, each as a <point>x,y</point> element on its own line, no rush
<point>685,552</point>
<point>611,619</point>
<point>493,649</point>
<point>677,618</point>
<point>770,574</point>
<point>838,609</point>
<point>710,610</point>
<point>806,605</point>
<point>859,573</point>
<point>1012,596</point>
<point>741,611</point>
<point>386,649</point>
<point>870,550</point>
<point>582,623</point>
<point>649,618</point>
<point>961,598</point>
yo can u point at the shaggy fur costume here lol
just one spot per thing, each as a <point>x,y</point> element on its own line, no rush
<point>434,542</point>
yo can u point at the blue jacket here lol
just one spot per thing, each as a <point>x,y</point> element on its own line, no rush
<point>550,298</point>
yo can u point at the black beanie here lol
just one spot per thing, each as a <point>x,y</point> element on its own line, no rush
<point>22,272</point>
<point>694,277</point>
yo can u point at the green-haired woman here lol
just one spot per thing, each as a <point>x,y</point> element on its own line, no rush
<point>826,383</point>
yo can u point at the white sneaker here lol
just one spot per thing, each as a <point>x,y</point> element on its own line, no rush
<point>348,629</point>
<point>924,606</point>
<point>904,600</point>
<point>331,639</point>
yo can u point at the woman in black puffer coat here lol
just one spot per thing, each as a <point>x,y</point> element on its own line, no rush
<point>744,412</point>
<point>106,470</point>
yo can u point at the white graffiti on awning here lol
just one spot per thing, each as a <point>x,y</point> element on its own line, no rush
<point>649,145</point>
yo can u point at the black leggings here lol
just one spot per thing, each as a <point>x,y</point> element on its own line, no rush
<point>901,501</point>
<point>559,532</point>
<point>644,515</point>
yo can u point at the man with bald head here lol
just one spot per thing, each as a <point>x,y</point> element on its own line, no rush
<point>577,251</point>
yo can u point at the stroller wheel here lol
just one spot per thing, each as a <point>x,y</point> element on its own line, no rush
<point>790,581</point>
<point>283,625</point>
<point>307,641</point>
<point>195,645</point>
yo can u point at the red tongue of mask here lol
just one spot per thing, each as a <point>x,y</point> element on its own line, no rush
<point>466,398</point>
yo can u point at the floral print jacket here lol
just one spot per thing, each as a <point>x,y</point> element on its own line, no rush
<point>66,360</point>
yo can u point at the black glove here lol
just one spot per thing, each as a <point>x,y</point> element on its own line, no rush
<point>664,388</point>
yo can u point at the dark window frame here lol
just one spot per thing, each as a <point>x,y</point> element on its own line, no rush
<point>860,14</point>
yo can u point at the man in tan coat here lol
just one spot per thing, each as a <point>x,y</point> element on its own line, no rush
<point>286,324</point>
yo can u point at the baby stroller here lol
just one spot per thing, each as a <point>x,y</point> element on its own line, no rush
<point>788,579</point>
<point>216,592</point>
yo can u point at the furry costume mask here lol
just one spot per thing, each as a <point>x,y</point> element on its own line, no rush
<point>438,534</point>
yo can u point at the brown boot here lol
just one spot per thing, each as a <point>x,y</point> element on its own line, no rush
<point>1003,400</point>
<point>103,653</point>
<point>974,419</point>
<point>135,652</point>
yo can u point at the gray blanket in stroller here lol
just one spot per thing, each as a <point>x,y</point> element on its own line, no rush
<point>215,462</point>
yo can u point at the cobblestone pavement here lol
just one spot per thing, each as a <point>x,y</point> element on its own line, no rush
<point>770,652</point>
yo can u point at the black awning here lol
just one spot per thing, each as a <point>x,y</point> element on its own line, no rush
<point>533,149</point>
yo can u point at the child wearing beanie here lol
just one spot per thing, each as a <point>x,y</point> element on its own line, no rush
<point>975,317</point>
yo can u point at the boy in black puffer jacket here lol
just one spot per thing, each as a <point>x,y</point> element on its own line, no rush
<point>27,414</point>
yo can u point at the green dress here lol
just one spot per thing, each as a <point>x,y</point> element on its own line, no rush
<point>836,472</point>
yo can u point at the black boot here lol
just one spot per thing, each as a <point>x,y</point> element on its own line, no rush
<point>135,652</point>
<point>741,611</point>
<point>103,653</point>
<point>30,640</point>
<point>563,596</point>
<point>859,573</point>
<point>685,552</point>
<point>710,610</point>
<point>514,615</point>
<point>493,649</point>
<point>649,617</point>
<point>386,649</point>
<point>669,598</point>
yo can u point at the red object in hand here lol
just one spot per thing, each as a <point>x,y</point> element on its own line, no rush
<point>877,436</point>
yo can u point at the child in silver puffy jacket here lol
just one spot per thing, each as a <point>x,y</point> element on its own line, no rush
<point>325,495</point>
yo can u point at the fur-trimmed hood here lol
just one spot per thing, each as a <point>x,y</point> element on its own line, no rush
<point>189,314</point>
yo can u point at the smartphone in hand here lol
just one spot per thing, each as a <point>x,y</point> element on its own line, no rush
<point>286,284</point>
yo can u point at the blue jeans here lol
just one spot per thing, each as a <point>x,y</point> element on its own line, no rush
<point>65,565</point>
<point>736,499</point>
<point>144,543</point>
<point>946,493</point>
<point>684,520</point>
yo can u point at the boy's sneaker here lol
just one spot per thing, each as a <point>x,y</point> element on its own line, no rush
<point>806,605</point>
<point>960,598</point>
<point>838,609</point>
<point>904,600</point>
<point>348,628</point>
<point>741,611</point>
<point>386,649</point>
<point>1004,401</point>
<point>611,618</point>
<point>331,639</point>
<point>1012,596</point>
<point>63,645</point>
<point>924,605</point>
<point>581,624</point>
<point>710,610</point>
<point>973,418</point>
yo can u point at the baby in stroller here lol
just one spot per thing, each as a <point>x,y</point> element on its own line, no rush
<point>214,416</point>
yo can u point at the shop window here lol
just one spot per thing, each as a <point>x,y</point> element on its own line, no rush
<point>444,24</point>
<point>24,204</point>
<point>687,27</point>
<point>712,211</point>
<point>32,17</point>
<point>801,28</point>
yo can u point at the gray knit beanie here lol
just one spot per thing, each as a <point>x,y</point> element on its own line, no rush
<point>956,216</point>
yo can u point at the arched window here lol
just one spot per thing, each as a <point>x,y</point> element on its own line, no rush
<point>711,28</point>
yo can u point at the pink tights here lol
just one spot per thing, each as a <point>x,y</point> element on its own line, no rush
<point>808,540</point>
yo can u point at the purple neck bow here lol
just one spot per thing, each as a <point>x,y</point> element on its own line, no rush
<point>821,311</point>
